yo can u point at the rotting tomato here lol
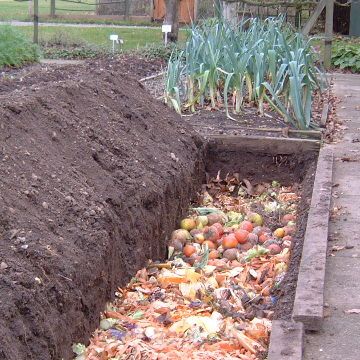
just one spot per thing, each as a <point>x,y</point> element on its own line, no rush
<point>241,236</point>
<point>219,228</point>
<point>229,241</point>
<point>288,217</point>
<point>211,233</point>
<point>263,238</point>
<point>209,244</point>
<point>189,250</point>
<point>247,225</point>
<point>214,254</point>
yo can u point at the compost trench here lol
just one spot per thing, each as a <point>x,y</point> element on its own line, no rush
<point>95,175</point>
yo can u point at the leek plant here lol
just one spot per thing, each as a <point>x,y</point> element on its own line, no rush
<point>255,62</point>
<point>172,82</point>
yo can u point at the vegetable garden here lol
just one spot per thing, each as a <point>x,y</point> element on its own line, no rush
<point>255,62</point>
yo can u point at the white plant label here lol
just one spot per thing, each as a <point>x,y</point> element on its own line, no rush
<point>115,39</point>
<point>166,29</point>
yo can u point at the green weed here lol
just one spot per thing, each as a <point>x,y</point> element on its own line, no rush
<point>15,49</point>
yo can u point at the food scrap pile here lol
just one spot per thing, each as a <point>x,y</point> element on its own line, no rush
<point>213,297</point>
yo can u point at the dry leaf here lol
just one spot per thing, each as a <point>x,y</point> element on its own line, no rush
<point>337,248</point>
<point>352,311</point>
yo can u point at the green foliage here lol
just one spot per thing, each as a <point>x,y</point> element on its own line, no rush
<point>134,38</point>
<point>82,52</point>
<point>255,62</point>
<point>15,49</point>
<point>157,51</point>
<point>64,46</point>
<point>346,55</point>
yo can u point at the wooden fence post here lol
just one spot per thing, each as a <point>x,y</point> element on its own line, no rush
<point>315,15</point>
<point>230,12</point>
<point>52,8</point>
<point>196,9</point>
<point>127,10</point>
<point>31,8</point>
<point>329,22</point>
<point>36,21</point>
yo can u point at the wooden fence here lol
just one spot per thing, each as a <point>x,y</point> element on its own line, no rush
<point>187,10</point>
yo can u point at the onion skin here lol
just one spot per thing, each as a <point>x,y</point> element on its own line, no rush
<point>177,245</point>
<point>181,234</point>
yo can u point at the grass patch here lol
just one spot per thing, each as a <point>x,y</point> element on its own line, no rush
<point>19,10</point>
<point>133,38</point>
<point>73,13</point>
<point>15,49</point>
<point>79,43</point>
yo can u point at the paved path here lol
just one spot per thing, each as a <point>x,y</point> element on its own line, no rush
<point>340,337</point>
<point>30,23</point>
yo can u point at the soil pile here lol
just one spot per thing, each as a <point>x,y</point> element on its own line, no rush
<point>94,176</point>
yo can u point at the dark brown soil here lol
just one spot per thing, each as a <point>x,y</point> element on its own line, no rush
<point>249,122</point>
<point>258,167</point>
<point>285,295</point>
<point>39,74</point>
<point>94,176</point>
<point>216,122</point>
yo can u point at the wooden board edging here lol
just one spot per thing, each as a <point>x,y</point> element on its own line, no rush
<point>263,144</point>
<point>309,296</point>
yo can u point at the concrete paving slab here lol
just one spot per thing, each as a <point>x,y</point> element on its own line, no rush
<point>286,342</point>
<point>339,338</point>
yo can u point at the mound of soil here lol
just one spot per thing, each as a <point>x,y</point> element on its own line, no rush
<point>40,74</point>
<point>94,176</point>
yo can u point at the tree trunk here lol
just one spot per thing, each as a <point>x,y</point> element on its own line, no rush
<point>172,18</point>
